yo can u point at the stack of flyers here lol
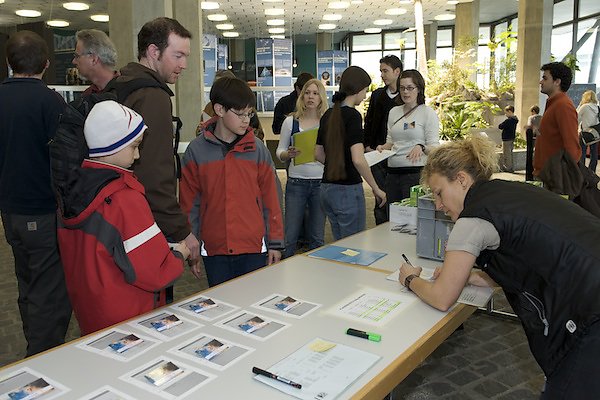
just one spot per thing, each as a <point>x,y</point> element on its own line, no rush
<point>125,343</point>
<point>32,390</point>
<point>287,303</point>
<point>203,305</point>
<point>253,324</point>
<point>166,323</point>
<point>163,373</point>
<point>211,349</point>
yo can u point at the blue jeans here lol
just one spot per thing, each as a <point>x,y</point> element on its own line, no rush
<point>300,194</point>
<point>220,269</point>
<point>345,207</point>
<point>593,154</point>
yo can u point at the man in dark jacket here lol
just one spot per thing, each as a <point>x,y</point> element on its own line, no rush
<point>287,104</point>
<point>381,102</point>
<point>163,49</point>
<point>28,120</point>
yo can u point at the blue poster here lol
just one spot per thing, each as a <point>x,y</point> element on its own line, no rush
<point>325,66</point>
<point>264,74</point>
<point>282,55</point>
<point>340,63</point>
<point>209,49</point>
<point>222,60</point>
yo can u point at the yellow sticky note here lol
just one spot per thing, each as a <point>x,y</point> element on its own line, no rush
<point>321,346</point>
<point>350,252</point>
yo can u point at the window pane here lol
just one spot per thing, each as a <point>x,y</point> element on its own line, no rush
<point>366,42</point>
<point>369,61</point>
<point>443,54</point>
<point>563,12</point>
<point>392,40</point>
<point>484,34</point>
<point>585,52</point>
<point>483,61</point>
<point>514,24</point>
<point>560,44</point>
<point>410,59</point>
<point>498,29</point>
<point>410,40</point>
<point>588,7</point>
<point>444,37</point>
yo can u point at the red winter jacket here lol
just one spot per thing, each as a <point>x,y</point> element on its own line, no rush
<point>116,260</point>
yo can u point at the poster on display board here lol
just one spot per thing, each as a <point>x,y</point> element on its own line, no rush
<point>264,73</point>
<point>209,48</point>
<point>340,63</point>
<point>222,59</point>
<point>282,54</point>
<point>325,66</point>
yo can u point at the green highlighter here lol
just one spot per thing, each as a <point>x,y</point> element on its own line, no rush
<point>374,337</point>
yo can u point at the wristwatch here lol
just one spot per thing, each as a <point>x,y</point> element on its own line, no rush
<point>408,280</point>
<point>422,147</point>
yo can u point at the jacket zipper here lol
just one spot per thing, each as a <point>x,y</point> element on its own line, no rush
<point>539,306</point>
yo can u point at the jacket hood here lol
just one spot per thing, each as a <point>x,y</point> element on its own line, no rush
<point>135,70</point>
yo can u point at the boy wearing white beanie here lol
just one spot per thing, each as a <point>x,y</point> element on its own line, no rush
<point>116,260</point>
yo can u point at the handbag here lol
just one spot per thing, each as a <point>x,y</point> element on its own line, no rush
<point>591,134</point>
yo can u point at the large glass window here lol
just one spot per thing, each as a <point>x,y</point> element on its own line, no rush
<point>393,41</point>
<point>484,35</point>
<point>585,53</point>
<point>369,61</point>
<point>444,38</point>
<point>366,42</point>
<point>443,54</point>
<point>563,12</point>
<point>588,7</point>
<point>561,41</point>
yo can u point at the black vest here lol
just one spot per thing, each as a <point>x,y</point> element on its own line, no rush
<point>548,262</point>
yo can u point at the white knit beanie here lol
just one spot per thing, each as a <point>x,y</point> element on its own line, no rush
<point>110,127</point>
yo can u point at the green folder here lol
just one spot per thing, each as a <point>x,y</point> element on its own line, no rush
<point>305,141</point>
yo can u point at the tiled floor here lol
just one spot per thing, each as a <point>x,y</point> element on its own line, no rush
<point>488,359</point>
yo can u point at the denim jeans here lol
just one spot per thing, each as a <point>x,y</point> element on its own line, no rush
<point>593,154</point>
<point>300,194</point>
<point>220,269</point>
<point>345,207</point>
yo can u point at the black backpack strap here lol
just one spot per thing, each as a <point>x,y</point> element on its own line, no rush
<point>177,125</point>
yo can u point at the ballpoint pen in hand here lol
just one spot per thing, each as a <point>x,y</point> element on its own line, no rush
<point>407,260</point>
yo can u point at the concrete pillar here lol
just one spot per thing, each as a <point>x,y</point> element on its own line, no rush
<point>324,41</point>
<point>126,19</point>
<point>431,40</point>
<point>237,49</point>
<point>466,30</point>
<point>533,50</point>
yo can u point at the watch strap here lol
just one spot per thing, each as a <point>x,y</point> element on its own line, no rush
<point>408,280</point>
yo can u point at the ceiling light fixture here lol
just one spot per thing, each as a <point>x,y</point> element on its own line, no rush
<point>231,34</point>
<point>224,27</point>
<point>453,2</point>
<point>57,23</point>
<point>272,1</point>
<point>326,27</point>
<point>276,30</point>
<point>405,1</point>
<point>275,22</point>
<point>28,13</point>
<point>444,17</point>
<point>372,30</point>
<point>332,17</point>
<point>356,1</point>
<point>338,5</point>
<point>217,17</point>
<point>100,18</point>
<point>395,11</point>
<point>274,11</point>
<point>381,22</point>
<point>209,5</point>
<point>277,36</point>
<point>76,6</point>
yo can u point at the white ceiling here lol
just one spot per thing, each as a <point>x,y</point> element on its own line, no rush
<point>248,17</point>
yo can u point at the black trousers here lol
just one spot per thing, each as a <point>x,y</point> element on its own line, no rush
<point>529,155</point>
<point>43,300</point>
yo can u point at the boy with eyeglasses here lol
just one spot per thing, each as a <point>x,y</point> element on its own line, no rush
<point>230,190</point>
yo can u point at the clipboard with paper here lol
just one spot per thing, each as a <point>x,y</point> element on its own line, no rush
<point>305,141</point>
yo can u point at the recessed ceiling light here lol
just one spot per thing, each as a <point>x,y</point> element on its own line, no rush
<point>274,11</point>
<point>276,30</point>
<point>338,4</point>
<point>326,27</point>
<point>372,30</point>
<point>217,17</point>
<point>100,18</point>
<point>209,5</point>
<point>395,11</point>
<point>28,13</point>
<point>453,2</point>
<point>76,6</point>
<point>275,22</point>
<point>356,1</point>
<point>273,1</point>
<point>231,34</point>
<point>224,27</point>
<point>405,1</point>
<point>382,22</point>
<point>444,17</point>
<point>277,36</point>
<point>58,23</point>
<point>332,17</point>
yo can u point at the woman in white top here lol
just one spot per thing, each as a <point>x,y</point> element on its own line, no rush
<point>587,115</point>
<point>413,131</point>
<point>304,181</point>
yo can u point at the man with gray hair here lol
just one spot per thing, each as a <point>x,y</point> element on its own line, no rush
<point>95,57</point>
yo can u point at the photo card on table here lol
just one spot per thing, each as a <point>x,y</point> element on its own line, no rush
<point>254,325</point>
<point>168,378</point>
<point>165,325</point>
<point>290,306</point>
<point>26,383</point>
<point>204,307</point>
<point>119,344</point>
<point>212,351</point>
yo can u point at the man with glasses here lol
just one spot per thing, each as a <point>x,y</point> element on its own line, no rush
<point>381,102</point>
<point>163,49</point>
<point>230,189</point>
<point>95,57</point>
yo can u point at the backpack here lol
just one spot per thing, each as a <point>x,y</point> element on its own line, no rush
<point>68,148</point>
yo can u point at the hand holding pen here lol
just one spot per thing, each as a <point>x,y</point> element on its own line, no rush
<point>407,269</point>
